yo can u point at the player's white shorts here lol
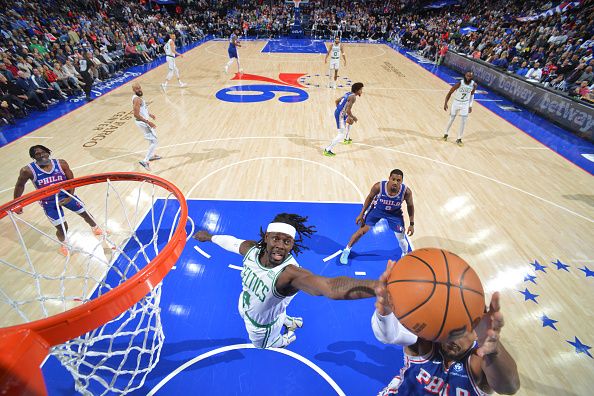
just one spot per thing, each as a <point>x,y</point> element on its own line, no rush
<point>149,133</point>
<point>170,62</point>
<point>334,64</point>
<point>461,107</point>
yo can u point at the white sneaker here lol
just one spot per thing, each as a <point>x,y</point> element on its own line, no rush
<point>145,165</point>
<point>182,84</point>
<point>292,323</point>
<point>288,338</point>
<point>226,69</point>
<point>164,87</point>
<point>344,257</point>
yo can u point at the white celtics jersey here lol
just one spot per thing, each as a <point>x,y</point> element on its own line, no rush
<point>168,49</point>
<point>463,92</point>
<point>144,112</point>
<point>335,52</point>
<point>260,302</point>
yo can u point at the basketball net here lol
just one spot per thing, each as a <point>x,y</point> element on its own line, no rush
<point>38,283</point>
<point>296,3</point>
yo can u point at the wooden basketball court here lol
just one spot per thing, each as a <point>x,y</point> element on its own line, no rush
<point>501,201</point>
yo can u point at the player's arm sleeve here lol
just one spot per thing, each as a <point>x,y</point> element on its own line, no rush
<point>227,242</point>
<point>389,330</point>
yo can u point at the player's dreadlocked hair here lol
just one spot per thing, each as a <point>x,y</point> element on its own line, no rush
<point>296,221</point>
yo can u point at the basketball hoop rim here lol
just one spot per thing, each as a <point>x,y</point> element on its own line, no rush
<point>70,324</point>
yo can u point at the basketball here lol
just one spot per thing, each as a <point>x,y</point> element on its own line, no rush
<point>436,294</point>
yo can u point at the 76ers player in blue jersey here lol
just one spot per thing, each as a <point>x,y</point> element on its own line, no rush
<point>385,202</point>
<point>344,117</point>
<point>232,51</point>
<point>44,172</point>
<point>472,364</point>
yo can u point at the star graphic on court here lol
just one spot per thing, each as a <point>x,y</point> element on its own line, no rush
<point>560,265</point>
<point>580,348</point>
<point>548,322</point>
<point>587,271</point>
<point>528,295</point>
<point>530,278</point>
<point>538,266</point>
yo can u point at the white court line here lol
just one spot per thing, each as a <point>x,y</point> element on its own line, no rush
<point>202,252</point>
<point>272,200</point>
<point>360,273</point>
<point>217,351</point>
<point>361,196</point>
<point>37,137</point>
<point>360,144</point>
<point>235,267</point>
<point>488,100</point>
<point>332,256</point>
<point>532,148</point>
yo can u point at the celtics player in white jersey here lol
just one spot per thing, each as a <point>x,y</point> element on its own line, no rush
<point>334,51</point>
<point>144,121</point>
<point>271,277</point>
<point>464,96</point>
<point>170,54</point>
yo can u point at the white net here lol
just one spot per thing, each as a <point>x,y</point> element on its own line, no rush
<point>126,228</point>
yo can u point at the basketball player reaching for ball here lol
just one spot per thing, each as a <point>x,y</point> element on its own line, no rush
<point>271,277</point>
<point>464,95</point>
<point>44,172</point>
<point>170,54</point>
<point>472,364</point>
<point>334,51</point>
<point>142,118</point>
<point>384,201</point>
<point>232,51</point>
<point>344,118</point>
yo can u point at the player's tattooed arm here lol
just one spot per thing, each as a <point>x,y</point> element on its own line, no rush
<point>294,278</point>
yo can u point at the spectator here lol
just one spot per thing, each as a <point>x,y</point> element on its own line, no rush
<point>535,73</point>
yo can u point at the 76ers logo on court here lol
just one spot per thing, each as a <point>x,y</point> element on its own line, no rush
<point>287,88</point>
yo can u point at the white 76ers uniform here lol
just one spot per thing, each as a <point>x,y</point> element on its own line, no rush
<point>461,101</point>
<point>150,134</point>
<point>262,308</point>
<point>335,57</point>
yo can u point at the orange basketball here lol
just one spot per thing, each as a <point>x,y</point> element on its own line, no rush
<point>436,294</point>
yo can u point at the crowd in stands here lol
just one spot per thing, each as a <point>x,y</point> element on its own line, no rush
<point>42,42</point>
<point>48,47</point>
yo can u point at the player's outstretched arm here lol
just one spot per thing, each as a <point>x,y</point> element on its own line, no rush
<point>294,278</point>
<point>498,366</point>
<point>227,242</point>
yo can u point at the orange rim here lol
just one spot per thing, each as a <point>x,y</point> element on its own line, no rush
<point>67,325</point>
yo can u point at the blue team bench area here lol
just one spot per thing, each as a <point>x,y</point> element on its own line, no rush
<point>205,351</point>
<point>296,46</point>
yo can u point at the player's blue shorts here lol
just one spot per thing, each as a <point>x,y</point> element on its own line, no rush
<point>395,221</point>
<point>56,214</point>
<point>232,51</point>
<point>340,121</point>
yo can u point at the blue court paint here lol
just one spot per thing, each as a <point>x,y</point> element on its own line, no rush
<point>38,119</point>
<point>561,141</point>
<point>254,93</point>
<point>296,46</point>
<point>199,311</point>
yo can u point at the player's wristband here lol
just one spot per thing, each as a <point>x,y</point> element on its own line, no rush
<point>412,223</point>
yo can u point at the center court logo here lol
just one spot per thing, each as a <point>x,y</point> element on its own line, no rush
<point>287,88</point>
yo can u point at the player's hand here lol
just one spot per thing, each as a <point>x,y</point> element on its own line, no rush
<point>359,220</point>
<point>411,230</point>
<point>470,110</point>
<point>383,303</point>
<point>489,328</point>
<point>152,124</point>
<point>153,116</point>
<point>355,119</point>
<point>64,201</point>
<point>202,236</point>
<point>445,107</point>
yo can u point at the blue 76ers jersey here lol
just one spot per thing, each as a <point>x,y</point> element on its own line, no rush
<point>42,178</point>
<point>387,203</point>
<point>426,375</point>
<point>232,39</point>
<point>340,109</point>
